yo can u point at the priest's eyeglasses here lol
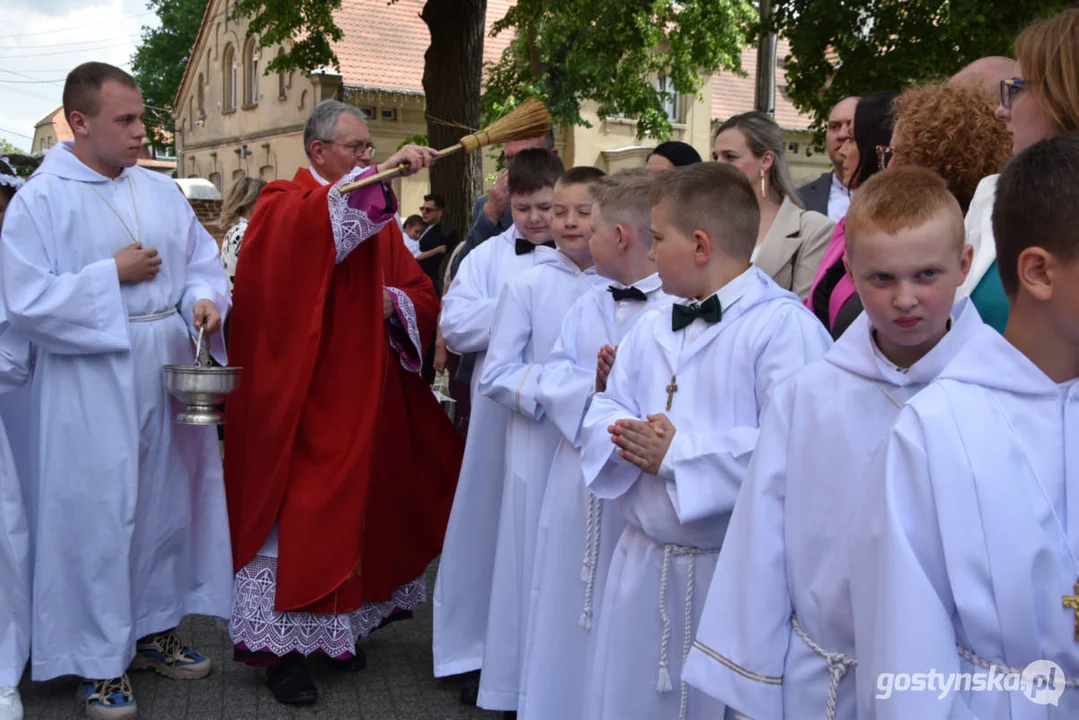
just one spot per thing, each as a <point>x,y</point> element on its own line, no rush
<point>359,149</point>
<point>1009,89</point>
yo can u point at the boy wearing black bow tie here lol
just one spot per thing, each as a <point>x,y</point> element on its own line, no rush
<point>463,586</point>
<point>672,435</point>
<point>572,524</point>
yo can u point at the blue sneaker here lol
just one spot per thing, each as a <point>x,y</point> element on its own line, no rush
<point>166,655</point>
<point>109,699</point>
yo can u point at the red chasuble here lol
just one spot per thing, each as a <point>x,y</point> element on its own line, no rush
<point>328,435</point>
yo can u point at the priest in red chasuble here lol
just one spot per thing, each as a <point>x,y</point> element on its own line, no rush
<point>340,464</point>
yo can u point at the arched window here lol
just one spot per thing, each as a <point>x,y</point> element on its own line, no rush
<point>201,95</point>
<point>228,70</point>
<point>251,72</point>
<point>282,79</point>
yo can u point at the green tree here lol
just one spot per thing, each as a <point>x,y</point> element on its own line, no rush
<point>451,77</point>
<point>612,52</point>
<point>853,47</point>
<point>159,61</point>
<point>7,148</point>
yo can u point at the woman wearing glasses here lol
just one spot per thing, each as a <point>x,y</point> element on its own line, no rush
<point>1041,101</point>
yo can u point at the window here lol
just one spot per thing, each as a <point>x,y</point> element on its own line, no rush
<point>267,173</point>
<point>215,178</point>
<point>251,72</point>
<point>792,148</point>
<point>228,66</point>
<point>389,115</point>
<point>201,94</point>
<point>671,102</point>
<point>237,174</point>
<point>368,112</point>
<point>282,80</point>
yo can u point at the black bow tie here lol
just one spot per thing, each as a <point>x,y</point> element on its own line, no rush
<point>523,247</point>
<point>630,293</point>
<point>709,311</point>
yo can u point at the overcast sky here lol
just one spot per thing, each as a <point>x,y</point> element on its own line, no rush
<point>42,40</point>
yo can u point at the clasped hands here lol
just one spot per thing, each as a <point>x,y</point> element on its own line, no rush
<point>643,443</point>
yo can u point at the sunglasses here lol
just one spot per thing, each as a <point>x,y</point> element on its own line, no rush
<point>1009,89</point>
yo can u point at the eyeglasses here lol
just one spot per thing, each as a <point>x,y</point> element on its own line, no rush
<point>425,209</point>
<point>885,155</point>
<point>359,149</point>
<point>1008,90</point>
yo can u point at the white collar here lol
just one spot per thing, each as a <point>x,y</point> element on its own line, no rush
<point>318,178</point>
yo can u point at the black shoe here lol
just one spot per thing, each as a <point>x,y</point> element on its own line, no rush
<point>290,681</point>
<point>356,663</point>
<point>470,692</point>
<point>509,715</point>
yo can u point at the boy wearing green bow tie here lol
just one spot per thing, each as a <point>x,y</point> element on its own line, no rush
<point>672,435</point>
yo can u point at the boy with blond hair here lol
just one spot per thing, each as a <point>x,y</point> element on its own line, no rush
<point>672,435</point>
<point>777,639</point>
<point>567,592</point>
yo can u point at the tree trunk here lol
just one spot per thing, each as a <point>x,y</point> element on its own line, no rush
<point>452,72</point>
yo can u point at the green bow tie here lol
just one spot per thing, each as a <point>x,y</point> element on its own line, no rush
<point>709,311</point>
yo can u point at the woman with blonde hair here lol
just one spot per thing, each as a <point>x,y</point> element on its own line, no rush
<point>791,240</point>
<point>1039,102</point>
<point>235,212</point>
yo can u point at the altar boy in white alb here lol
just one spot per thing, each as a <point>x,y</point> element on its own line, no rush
<point>107,271</point>
<point>527,325</point>
<point>463,585</point>
<point>966,558</point>
<point>780,597</point>
<point>673,434</point>
<point>576,537</point>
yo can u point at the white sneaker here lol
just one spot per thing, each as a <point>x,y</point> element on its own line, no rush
<point>10,704</point>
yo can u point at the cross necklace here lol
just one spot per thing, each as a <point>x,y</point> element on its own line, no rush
<point>672,389</point>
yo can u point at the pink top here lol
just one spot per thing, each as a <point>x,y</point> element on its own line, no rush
<point>844,289</point>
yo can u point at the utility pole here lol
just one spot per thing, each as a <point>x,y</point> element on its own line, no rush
<point>766,63</point>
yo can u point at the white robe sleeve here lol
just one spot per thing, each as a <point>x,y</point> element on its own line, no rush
<point>606,473</point>
<point>704,471</point>
<point>468,311</point>
<point>509,378</point>
<point>205,279</point>
<point>745,628</point>
<point>567,383</point>
<point>14,358</point>
<point>64,313</point>
<point>900,591</point>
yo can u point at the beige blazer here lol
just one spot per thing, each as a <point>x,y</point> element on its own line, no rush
<point>794,246</point>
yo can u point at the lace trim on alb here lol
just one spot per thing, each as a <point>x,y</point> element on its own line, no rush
<point>350,226</point>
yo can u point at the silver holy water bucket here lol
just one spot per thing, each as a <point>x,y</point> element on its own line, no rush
<point>200,387</point>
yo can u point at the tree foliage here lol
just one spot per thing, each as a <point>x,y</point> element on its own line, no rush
<point>159,61</point>
<point>305,27</point>
<point>8,148</point>
<point>854,47</point>
<point>612,52</point>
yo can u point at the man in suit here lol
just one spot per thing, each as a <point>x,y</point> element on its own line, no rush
<point>827,194</point>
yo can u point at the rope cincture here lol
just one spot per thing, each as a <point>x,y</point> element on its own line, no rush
<point>593,527</point>
<point>838,665</point>
<point>663,683</point>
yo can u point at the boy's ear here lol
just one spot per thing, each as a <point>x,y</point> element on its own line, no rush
<point>625,236</point>
<point>966,259</point>
<point>1036,269</point>
<point>702,253</point>
<point>846,266</point>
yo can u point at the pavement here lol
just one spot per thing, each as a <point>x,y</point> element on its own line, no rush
<point>396,685</point>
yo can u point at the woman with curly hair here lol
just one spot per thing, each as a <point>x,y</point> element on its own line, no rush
<point>951,130</point>
<point>1040,102</point>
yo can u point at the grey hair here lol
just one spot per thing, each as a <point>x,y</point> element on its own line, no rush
<point>322,122</point>
<point>764,135</point>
